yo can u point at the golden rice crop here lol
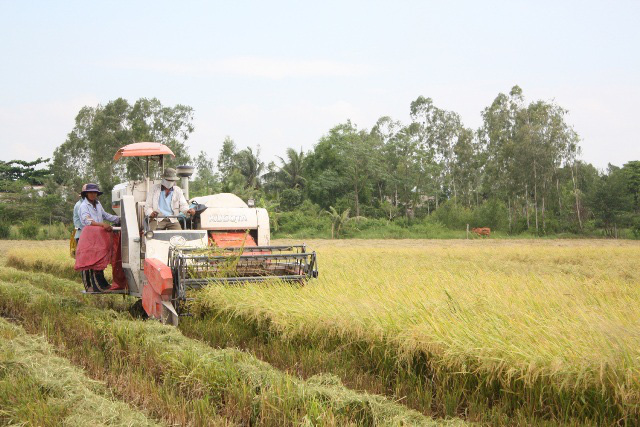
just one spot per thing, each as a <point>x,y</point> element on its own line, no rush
<point>556,321</point>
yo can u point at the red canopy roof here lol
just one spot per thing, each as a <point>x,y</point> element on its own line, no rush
<point>143,149</point>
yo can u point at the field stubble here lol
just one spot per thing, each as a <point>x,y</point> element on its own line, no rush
<point>37,387</point>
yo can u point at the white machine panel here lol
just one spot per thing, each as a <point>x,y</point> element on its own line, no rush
<point>158,246</point>
<point>229,219</point>
<point>264,231</point>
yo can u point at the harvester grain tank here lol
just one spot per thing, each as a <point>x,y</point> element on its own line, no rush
<point>226,241</point>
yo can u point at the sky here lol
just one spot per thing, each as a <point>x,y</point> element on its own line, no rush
<point>280,74</point>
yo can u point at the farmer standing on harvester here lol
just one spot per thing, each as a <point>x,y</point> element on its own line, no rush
<point>91,211</point>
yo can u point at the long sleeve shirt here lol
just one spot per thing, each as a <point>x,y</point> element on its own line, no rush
<point>77,224</point>
<point>178,202</point>
<point>88,213</point>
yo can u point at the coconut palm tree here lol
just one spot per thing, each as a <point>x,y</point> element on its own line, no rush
<point>292,168</point>
<point>339,220</point>
<point>250,166</point>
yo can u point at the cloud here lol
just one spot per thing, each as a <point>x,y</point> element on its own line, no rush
<point>247,66</point>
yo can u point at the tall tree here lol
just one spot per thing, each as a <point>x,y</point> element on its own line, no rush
<point>292,169</point>
<point>206,180</point>
<point>33,173</point>
<point>227,158</point>
<point>631,171</point>
<point>250,166</point>
<point>438,131</point>
<point>87,154</point>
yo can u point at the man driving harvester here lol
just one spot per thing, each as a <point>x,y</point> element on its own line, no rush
<point>166,200</point>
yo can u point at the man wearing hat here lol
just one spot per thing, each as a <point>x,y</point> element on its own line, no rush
<point>91,212</point>
<point>166,199</point>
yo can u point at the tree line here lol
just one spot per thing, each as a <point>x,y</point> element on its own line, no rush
<point>520,171</point>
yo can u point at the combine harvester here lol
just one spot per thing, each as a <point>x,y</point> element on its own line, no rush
<point>225,241</point>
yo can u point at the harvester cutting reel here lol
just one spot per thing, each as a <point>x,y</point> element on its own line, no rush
<point>195,268</point>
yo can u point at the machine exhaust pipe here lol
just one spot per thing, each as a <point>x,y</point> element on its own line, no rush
<point>184,172</point>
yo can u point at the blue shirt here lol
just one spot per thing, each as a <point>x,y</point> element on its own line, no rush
<point>77,224</point>
<point>97,214</point>
<point>164,203</point>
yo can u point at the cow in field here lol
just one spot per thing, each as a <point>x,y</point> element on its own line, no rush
<point>482,231</point>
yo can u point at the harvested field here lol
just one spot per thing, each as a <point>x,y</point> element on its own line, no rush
<point>37,387</point>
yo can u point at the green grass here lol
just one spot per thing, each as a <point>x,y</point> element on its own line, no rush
<point>35,231</point>
<point>232,384</point>
<point>37,387</point>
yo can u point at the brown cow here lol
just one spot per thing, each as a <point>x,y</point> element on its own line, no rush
<point>483,231</point>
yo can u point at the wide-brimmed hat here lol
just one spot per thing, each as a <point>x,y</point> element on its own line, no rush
<point>91,188</point>
<point>170,174</point>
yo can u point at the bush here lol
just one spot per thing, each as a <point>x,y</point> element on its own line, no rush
<point>291,222</point>
<point>290,199</point>
<point>493,214</point>
<point>5,230</point>
<point>635,227</point>
<point>57,231</point>
<point>453,215</point>
<point>29,230</point>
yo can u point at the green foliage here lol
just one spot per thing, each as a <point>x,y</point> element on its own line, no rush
<point>454,216</point>
<point>5,230</point>
<point>226,158</point>
<point>518,173</point>
<point>206,181</point>
<point>32,173</point>
<point>290,199</point>
<point>493,214</point>
<point>301,222</point>
<point>32,230</point>
<point>87,154</point>
<point>344,163</point>
<point>29,229</point>
<point>250,166</point>
<point>631,171</point>
<point>636,228</point>
<point>612,201</point>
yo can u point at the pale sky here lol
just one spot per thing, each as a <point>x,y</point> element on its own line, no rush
<point>281,74</point>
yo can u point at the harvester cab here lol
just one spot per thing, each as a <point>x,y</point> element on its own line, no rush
<point>226,241</point>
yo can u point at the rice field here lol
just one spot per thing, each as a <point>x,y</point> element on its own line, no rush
<point>496,331</point>
<point>176,380</point>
